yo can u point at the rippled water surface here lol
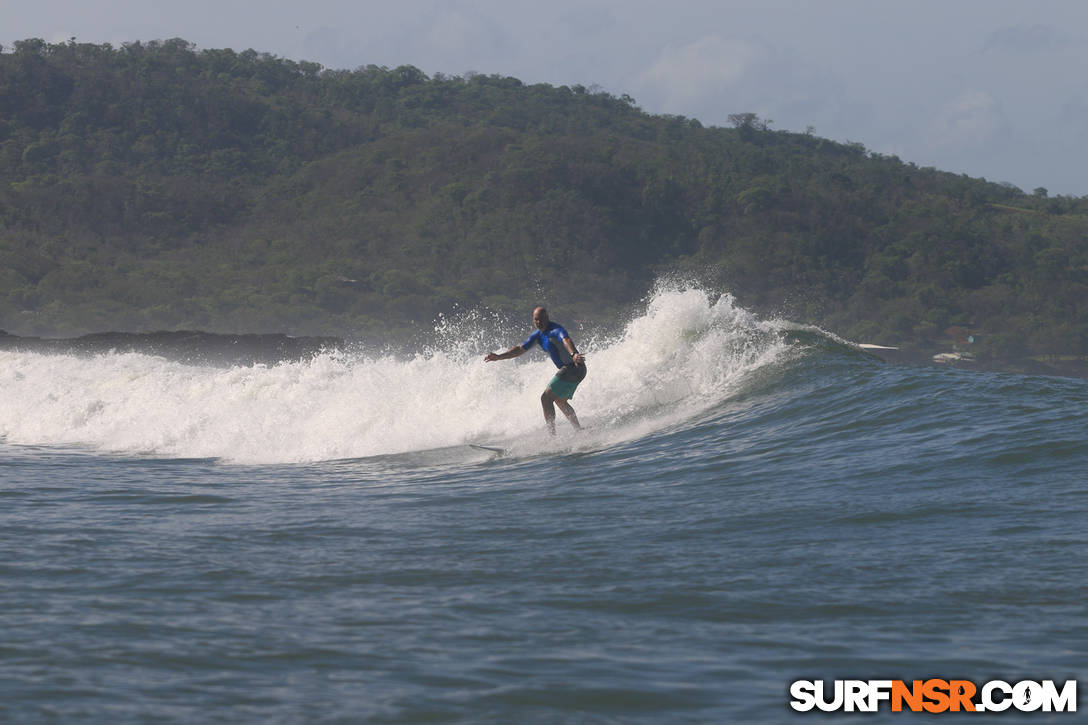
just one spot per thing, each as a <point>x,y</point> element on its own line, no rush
<point>794,509</point>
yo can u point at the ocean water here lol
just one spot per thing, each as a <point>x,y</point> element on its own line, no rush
<point>753,502</point>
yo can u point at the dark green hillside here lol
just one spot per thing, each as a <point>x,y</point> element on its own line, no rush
<point>154,185</point>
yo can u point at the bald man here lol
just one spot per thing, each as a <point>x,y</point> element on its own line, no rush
<point>555,341</point>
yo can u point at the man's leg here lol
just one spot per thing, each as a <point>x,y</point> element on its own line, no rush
<point>569,412</point>
<point>546,401</point>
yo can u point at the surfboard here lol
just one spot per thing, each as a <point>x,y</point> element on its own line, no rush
<point>492,449</point>
<point>465,453</point>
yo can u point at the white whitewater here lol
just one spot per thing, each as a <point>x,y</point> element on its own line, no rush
<point>683,354</point>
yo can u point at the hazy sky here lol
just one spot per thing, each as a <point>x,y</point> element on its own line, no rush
<point>990,88</point>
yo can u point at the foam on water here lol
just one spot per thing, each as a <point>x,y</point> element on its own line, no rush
<point>684,353</point>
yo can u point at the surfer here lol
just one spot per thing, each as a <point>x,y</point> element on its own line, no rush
<point>555,341</point>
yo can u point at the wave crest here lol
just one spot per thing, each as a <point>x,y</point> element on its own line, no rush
<point>685,352</point>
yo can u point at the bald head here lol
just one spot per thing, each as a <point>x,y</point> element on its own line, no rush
<point>540,318</point>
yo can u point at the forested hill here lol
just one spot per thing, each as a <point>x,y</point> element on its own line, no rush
<point>158,186</point>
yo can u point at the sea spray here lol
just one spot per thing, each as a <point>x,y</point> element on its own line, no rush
<point>685,353</point>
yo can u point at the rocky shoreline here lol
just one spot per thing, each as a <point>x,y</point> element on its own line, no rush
<point>186,346</point>
<point>1069,366</point>
<point>209,348</point>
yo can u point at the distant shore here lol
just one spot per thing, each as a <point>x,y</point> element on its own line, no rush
<point>186,346</point>
<point>1071,366</point>
<point>197,347</point>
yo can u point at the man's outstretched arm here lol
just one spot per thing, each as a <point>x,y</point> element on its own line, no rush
<point>511,353</point>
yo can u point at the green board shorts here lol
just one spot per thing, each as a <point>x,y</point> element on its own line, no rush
<point>565,382</point>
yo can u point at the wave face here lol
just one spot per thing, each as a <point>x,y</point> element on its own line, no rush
<point>685,353</point>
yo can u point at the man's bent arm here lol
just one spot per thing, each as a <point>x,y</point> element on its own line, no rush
<point>569,344</point>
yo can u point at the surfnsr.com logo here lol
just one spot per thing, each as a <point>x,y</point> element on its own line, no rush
<point>933,695</point>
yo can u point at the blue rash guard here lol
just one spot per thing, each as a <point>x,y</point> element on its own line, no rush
<point>551,340</point>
